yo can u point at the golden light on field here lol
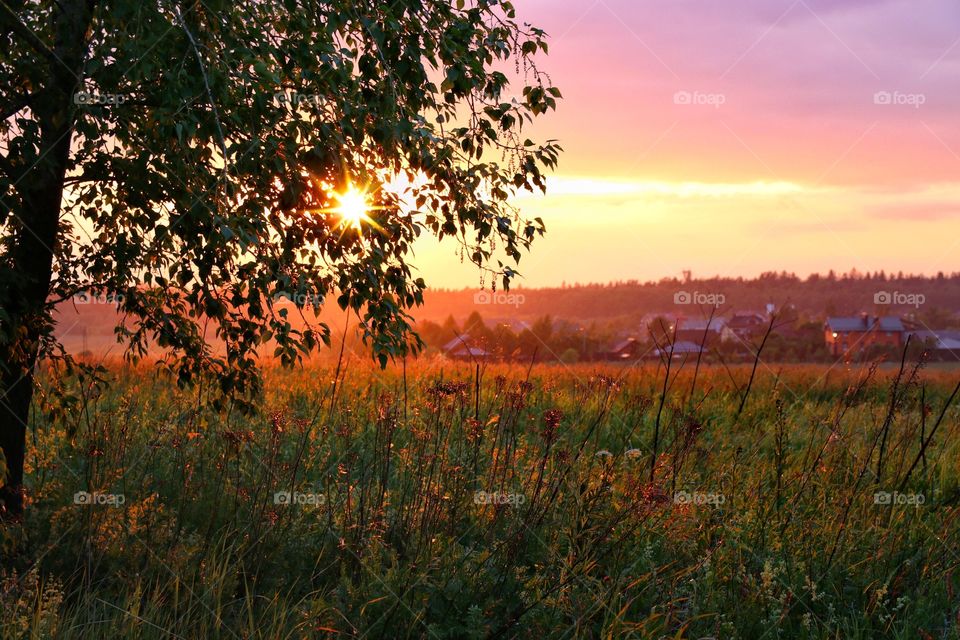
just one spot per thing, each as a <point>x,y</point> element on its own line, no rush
<point>353,207</point>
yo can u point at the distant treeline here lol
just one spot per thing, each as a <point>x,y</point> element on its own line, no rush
<point>817,295</point>
<point>581,321</point>
<point>795,339</point>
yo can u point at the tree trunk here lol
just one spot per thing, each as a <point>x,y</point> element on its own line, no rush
<point>35,231</point>
<point>32,264</point>
<point>13,414</point>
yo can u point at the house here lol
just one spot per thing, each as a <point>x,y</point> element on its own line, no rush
<point>627,349</point>
<point>744,326</point>
<point>462,348</point>
<point>853,334</point>
<point>942,345</point>
<point>680,349</point>
<point>458,342</point>
<point>699,331</point>
<point>469,353</point>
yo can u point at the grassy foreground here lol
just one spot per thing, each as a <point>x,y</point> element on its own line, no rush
<point>514,503</point>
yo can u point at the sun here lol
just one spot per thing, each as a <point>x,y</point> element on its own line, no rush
<point>352,207</point>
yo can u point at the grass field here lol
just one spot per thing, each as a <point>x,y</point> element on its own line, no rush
<point>448,502</point>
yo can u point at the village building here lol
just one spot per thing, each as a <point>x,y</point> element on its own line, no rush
<point>462,347</point>
<point>679,349</point>
<point>942,346</point>
<point>744,326</point>
<point>626,349</point>
<point>845,335</point>
<point>699,331</point>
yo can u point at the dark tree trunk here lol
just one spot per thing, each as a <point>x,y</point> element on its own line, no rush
<point>31,254</point>
<point>13,414</point>
<point>31,263</point>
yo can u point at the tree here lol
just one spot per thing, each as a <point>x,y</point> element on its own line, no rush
<point>661,330</point>
<point>543,328</point>
<point>450,329</point>
<point>477,329</point>
<point>196,160</point>
<point>474,323</point>
<point>504,340</point>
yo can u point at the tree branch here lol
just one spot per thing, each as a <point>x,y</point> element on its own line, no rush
<point>17,104</point>
<point>206,83</point>
<point>8,17</point>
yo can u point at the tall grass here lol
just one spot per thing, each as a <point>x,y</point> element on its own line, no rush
<point>454,501</point>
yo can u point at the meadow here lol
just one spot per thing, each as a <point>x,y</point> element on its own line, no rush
<point>445,500</point>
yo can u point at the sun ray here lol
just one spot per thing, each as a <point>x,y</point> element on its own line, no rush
<point>352,207</point>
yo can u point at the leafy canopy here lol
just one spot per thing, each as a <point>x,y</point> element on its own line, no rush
<point>209,137</point>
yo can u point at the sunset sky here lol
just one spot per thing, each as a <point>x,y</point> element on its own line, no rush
<point>744,136</point>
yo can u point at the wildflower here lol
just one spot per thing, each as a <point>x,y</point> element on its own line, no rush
<point>768,574</point>
<point>474,429</point>
<point>633,453</point>
<point>603,453</point>
<point>518,397</point>
<point>811,587</point>
<point>693,427</point>
<point>447,389</point>
<point>278,421</point>
<point>881,593</point>
<point>605,382</point>
<point>551,420</point>
<point>236,438</point>
<point>652,494</point>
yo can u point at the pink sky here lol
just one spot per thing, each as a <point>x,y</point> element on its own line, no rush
<point>744,136</point>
